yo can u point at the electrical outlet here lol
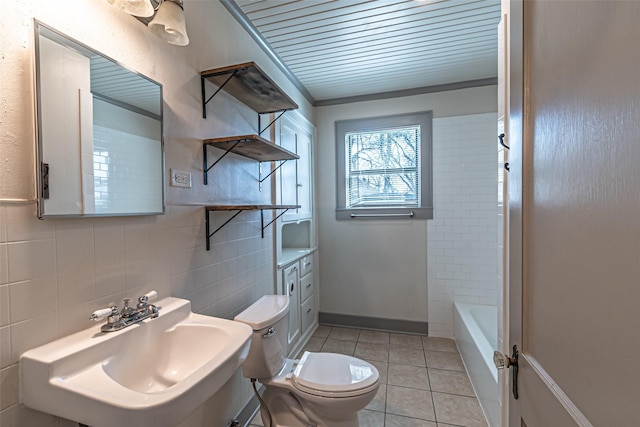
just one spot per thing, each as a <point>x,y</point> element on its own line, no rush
<point>180,178</point>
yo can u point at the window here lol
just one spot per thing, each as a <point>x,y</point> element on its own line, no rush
<point>384,167</point>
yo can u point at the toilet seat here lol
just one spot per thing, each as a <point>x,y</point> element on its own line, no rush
<point>334,375</point>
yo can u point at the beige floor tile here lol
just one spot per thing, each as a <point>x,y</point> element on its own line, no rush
<point>339,346</point>
<point>458,410</point>
<point>408,376</point>
<point>405,340</point>
<point>407,356</point>
<point>380,401</point>
<point>323,331</point>
<point>374,337</point>
<point>371,418</point>
<point>439,344</point>
<point>452,382</point>
<point>398,421</point>
<point>382,368</point>
<point>314,344</point>
<point>346,334</point>
<point>444,360</point>
<point>372,351</point>
<point>410,402</point>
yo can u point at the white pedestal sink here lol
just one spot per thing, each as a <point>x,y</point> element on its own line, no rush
<point>154,373</point>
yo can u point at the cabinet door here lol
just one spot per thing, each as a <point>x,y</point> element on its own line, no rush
<point>296,176</point>
<point>308,313</point>
<point>304,174</point>
<point>291,285</point>
<point>288,171</point>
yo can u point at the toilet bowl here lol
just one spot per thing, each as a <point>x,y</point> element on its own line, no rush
<point>320,389</point>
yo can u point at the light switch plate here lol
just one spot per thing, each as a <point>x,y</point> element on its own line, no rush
<point>180,178</point>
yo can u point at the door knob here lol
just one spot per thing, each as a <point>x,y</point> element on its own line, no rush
<point>503,361</point>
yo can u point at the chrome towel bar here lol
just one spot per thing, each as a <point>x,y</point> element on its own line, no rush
<point>410,215</point>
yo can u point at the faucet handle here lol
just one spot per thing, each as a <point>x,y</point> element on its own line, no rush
<point>102,314</point>
<point>149,296</point>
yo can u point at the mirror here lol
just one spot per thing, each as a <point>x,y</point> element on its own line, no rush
<point>99,124</point>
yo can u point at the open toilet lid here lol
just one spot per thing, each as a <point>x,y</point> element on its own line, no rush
<point>334,373</point>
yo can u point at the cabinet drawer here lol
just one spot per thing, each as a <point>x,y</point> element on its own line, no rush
<point>306,287</point>
<point>308,313</point>
<point>306,264</point>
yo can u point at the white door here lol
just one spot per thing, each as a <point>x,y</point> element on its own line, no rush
<point>574,202</point>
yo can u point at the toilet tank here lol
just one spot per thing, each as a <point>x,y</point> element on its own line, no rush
<point>269,319</point>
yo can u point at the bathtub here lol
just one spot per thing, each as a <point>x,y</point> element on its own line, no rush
<point>476,334</point>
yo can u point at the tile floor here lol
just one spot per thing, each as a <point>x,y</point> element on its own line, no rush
<point>423,381</point>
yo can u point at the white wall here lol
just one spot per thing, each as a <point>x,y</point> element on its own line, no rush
<point>379,268</point>
<point>54,273</point>
<point>462,255</point>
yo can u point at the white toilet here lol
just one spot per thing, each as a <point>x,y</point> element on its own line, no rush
<point>320,389</point>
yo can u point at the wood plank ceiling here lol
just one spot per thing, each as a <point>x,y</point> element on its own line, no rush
<point>351,48</point>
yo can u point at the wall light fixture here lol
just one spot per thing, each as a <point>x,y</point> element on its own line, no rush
<point>168,23</point>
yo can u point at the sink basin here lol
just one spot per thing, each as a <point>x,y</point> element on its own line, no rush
<point>154,373</point>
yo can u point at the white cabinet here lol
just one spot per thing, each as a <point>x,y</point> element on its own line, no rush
<point>298,281</point>
<point>291,287</point>
<point>295,184</point>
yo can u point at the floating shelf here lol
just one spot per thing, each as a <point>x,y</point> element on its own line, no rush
<point>251,146</point>
<point>250,85</point>
<point>239,209</point>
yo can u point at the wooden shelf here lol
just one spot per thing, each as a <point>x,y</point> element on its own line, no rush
<point>253,147</point>
<point>250,85</point>
<point>239,209</point>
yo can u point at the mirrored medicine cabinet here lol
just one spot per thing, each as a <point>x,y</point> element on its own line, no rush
<point>99,132</point>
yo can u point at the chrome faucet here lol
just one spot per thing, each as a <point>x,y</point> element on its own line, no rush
<point>119,319</point>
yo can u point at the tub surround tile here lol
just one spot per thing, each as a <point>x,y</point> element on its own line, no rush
<point>372,351</point>
<point>408,376</point>
<point>339,346</point>
<point>439,344</point>
<point>458,410</point>
<point>398,421</point>
<point>444,360</point>
<point>345,334</point>
<point>410,402</point>
<point>374,337</point>
<point>452,382</point>
<point>407,356</point>
<point>407,341</point>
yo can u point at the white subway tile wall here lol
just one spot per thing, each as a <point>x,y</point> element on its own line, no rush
<point>461,242</point>
<point>55,272</point>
